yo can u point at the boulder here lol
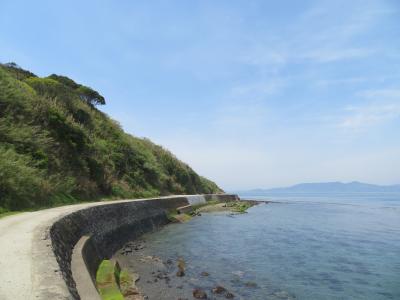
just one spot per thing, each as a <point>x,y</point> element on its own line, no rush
<point>199,294</point>
<point>218,289</point>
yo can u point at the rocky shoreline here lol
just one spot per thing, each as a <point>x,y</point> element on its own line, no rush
<point>174,278</point>
<point>167,279</point>
<point>240,206</point>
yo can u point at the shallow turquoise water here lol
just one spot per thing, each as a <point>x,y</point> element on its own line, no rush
<point>304,247</point>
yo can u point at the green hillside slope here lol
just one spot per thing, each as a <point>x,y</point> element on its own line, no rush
<point>56,147</point>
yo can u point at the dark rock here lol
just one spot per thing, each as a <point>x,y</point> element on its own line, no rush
<point>218,289</point>
<point>181,267</point>
<point>251,284</point>
<point>139,247</point>
<point>199,294</point>
<point>229,295</point>
<point>204,274</point>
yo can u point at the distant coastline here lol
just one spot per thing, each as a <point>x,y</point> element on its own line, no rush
<point>324,187</point>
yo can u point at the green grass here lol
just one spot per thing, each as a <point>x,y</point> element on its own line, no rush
<point>9,213</point>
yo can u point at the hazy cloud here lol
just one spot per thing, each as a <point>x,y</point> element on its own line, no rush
<point>369,115</point>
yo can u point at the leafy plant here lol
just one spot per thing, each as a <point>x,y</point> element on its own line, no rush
<point>56,147</point>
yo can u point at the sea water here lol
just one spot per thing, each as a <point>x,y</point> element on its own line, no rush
<point>344,246</point>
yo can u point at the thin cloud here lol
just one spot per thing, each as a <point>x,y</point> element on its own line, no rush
<point>341,81</point>
<point>331,55</point>
<point>381,94</point>
<point>383,106</point>
<point>369,115</point>
<point>331,41</point>
<point>258,90</point>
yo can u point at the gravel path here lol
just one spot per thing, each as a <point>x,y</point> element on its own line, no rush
<point>19,262</point>
<point>23,269</point>
<point>16,251</point>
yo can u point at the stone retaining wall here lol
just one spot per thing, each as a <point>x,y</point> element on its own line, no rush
<point>109,227</point>
<point>222,197</point>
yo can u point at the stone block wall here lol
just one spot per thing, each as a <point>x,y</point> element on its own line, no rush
<point>110,226</point>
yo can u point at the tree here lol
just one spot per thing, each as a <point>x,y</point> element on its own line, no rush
<point>85,93</point>
<point>65,80</point>
<point>90,96</point>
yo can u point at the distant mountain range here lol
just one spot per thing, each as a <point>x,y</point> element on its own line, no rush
<point>326,187</point>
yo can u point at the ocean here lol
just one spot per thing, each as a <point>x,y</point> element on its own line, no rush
<point>325,246</point>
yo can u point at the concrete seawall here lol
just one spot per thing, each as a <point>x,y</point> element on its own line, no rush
<point>106,228</point>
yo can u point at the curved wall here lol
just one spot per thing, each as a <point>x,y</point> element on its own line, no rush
<point>109,227</point>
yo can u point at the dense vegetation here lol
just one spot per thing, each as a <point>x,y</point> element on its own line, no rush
<point>56,147</point>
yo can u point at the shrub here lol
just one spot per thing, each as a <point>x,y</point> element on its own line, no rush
<point>57,147</point>
<point>20,182</point>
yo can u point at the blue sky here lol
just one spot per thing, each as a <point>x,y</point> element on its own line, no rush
<point>249,93</point>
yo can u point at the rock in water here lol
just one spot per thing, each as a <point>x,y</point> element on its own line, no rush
<point>218,289</point>
<point>181,267</point>
<point>199,294</point>
<point>251,284</point>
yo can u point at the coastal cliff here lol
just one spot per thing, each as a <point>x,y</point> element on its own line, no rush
<point>58,148</point>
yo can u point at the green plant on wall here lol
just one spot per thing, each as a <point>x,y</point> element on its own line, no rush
<point>106,281</point>
<point>114,283</point>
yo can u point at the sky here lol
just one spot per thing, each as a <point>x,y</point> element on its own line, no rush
<point>251,94</point>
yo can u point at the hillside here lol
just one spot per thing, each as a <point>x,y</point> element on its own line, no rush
<point>56,147</point>
<point>327,187</point>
